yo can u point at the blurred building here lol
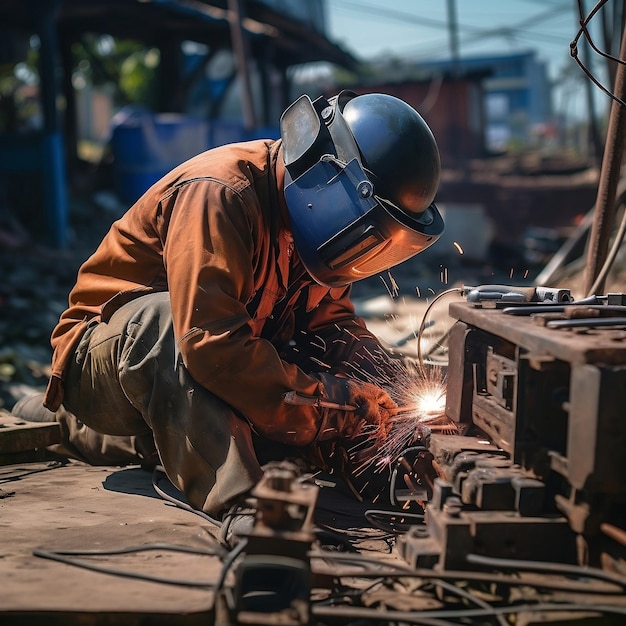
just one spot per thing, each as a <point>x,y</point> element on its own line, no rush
<point>452,106</point>
<point>243,52</point>
<point>517,96</point>
<point>491,116</point>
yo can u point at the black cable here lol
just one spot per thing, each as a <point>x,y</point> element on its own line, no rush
<point>543,566</point>
<point>394,522</point>
<point>437,616</point>
<point>339,595</point>
<point>63,556</point>
<point>228,563</point>
<point>327,535</point>
<point>170,547</point>
<point>11,476</point>
<point>468,596</point>
<point>177,502</point>
<point>420,330</point>
<point>367,563</point>
<point>419,617</point>
<point>394,479</point>
<point>372,567</point>
<point>338,598</point>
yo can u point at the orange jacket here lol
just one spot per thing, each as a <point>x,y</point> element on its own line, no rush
<point>214,232</point>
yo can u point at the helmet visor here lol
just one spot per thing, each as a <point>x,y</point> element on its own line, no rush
<point>343,232</point>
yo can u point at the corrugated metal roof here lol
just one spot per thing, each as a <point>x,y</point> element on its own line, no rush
<point>281,39</point>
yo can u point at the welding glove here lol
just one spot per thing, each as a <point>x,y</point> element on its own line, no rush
<point>369,417</point>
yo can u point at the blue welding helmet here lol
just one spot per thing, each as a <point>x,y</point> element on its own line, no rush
<point>361,175</point>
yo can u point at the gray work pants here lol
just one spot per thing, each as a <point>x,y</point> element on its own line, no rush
<point>128,394</point>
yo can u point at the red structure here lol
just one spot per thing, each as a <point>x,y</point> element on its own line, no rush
<point>452,107</point>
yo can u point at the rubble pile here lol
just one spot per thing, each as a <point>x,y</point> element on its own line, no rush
<point>34,287</point>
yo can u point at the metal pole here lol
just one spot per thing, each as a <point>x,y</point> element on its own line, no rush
<point>453,32</point>
<point>52,145</point>
<point>609,177</point>
<point>235,16</point>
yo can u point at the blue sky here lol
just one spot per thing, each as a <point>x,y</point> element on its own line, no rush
<point>419,29</point>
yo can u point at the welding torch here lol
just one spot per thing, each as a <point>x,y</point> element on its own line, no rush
<point>301,399</point>
<point>395,414</point>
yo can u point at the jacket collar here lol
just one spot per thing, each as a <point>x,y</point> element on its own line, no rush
<point>279,174</point>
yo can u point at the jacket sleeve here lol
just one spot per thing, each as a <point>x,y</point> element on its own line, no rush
<point>211,234</point>
<point>337,341</point>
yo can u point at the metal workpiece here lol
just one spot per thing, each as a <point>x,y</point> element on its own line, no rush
<point>549,398</point>
<point>273,576</point>
<point>484,503</point>
<point>525,332</point>
<point>454,530</point>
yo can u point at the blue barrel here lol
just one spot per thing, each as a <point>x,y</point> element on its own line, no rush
<point>147,146</point>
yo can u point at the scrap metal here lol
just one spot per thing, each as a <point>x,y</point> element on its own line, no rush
<point>541,474</point>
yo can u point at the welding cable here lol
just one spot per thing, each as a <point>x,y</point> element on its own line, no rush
<point>422,325</point>
<point>392,488</point>
<point>159,470</point>
<point>371,567</point>
<point>335,611</point>
<point>545,566</point>
<point>342,592</point>
<point>64,556</point>
<point>386,520</point>
<point>11,475</point>
<point>349,593</point>
<point>229,560</point>
<point>394,479</point>
<point>468,596</point>
<point>346,538</point>
<point>419,617</point>
<point>327,534</point>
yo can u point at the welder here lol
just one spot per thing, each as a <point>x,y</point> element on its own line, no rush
<point>227,285</point>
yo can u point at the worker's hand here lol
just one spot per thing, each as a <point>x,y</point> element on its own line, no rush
<point>369,418</point>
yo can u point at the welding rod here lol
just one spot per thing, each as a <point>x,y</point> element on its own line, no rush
<point>294,397</point>
<point>401,409</point>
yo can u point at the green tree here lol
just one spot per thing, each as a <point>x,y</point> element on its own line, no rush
<point>128,67</point>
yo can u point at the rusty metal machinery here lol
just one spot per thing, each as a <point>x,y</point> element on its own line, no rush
<point>273,577</point>
<point>517,518</point>
<point>539,388</point>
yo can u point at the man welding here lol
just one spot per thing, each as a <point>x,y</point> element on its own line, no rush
<point>225,288</point>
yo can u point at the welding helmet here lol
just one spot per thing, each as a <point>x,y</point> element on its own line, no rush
<point>361,175</point>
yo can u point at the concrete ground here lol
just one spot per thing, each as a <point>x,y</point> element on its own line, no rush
<point>47,506</point>
<point>93,546</point>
